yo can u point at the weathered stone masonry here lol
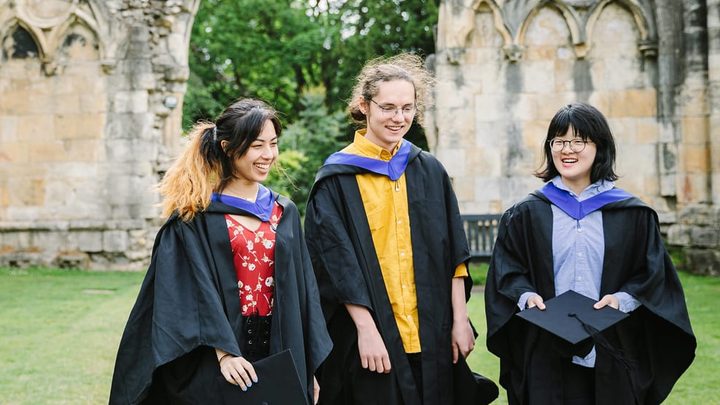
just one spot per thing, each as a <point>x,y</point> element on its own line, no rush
<point>90,97</point>
<point>91,90</point>
<point>504,67</point>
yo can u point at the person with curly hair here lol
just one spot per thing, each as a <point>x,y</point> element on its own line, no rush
<point>388,247</point>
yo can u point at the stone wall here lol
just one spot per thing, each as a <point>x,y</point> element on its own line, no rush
<point>91,94</point>
<point>505,67</point>
<point>90,103</point>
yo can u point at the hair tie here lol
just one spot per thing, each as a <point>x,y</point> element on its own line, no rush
<point>214,133</point>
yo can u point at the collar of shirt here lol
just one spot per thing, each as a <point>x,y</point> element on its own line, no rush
<point>261,208</point>
<point>363,147</point>
<point>594,189</point>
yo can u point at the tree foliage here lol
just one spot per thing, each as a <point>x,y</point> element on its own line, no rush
<point>359,30</point>
<point>251,48</point>
<point>275,49</point>
<point>304,146</point>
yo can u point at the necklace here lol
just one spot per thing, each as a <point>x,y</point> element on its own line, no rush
<point>242,195</point>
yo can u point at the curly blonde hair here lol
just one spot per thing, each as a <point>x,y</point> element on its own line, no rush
<point>405,66</point>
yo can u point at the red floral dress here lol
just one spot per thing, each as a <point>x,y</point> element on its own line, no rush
<point>254,259</point>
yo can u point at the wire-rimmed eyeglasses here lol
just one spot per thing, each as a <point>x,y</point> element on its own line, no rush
<point>389,110</point>
<point>576,145</point>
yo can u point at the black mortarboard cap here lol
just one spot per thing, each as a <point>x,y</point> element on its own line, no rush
<point>278,383</point>
<point>571,316</point>
<point>470,387</point>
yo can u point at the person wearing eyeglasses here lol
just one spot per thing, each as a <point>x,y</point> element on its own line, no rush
<point>580,232</point>
<point>388,247</point>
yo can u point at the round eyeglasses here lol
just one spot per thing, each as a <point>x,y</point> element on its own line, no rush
<point>576,145</point>
<point>389,110</point>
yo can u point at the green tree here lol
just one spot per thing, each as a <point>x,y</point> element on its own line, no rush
<point>304,146</point>
<point>358,30</point>
<point>251,48</point>
<point>284,175</point>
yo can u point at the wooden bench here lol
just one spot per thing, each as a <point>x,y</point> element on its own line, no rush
<point>481,231</point>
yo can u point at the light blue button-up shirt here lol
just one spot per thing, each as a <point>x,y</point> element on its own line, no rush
<point>578,253</point>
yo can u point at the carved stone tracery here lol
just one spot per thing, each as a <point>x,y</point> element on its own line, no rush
<point>580,17</point>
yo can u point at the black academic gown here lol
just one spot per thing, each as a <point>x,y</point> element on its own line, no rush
<point>189,304</point>
<point>348,272</point>
<point>656,341</point>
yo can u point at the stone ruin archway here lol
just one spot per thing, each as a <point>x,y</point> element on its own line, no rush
<point>90,102</point>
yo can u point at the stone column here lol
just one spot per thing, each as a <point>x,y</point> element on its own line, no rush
<point>693,108</point>
<point>669,23</point>
<point>713,30</point>
<point>697,229</point>
<point>700,225</point>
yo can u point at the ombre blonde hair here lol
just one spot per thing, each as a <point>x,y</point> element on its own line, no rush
<point>204,166</point>
<point>405,66</point>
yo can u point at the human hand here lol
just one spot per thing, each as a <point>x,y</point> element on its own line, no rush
<point>316,390</point>
<point>463,339</point>
<point>373,354</point>
<point>535,301</point>
<point>237,371</point>
<point>609,299</point>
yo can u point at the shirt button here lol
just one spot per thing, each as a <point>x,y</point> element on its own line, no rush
<point>579,278</point>
<point>579,229</point>
<point>579,254</point>
<point>402,253</point>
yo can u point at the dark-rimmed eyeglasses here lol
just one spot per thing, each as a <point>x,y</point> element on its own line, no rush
<point>576,145</point>
<point>389,110</point>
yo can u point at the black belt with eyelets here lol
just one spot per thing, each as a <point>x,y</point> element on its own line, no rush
<point>257,336</point>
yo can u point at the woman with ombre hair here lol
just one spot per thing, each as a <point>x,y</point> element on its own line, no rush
<point>230,281</point>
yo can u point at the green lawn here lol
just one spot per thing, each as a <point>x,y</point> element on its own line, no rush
<point>60,329</point>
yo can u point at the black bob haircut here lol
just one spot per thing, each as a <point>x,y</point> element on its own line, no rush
<point>587,123</point>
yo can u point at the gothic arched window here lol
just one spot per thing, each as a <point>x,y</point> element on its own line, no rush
<point>20,44</point>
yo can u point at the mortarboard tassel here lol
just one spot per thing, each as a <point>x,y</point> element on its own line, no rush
<point>618,355</point>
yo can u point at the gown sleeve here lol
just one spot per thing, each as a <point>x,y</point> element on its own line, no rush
<point>318,344</point>
<point>178,310</point>
<point>339,275</point>
<point>508,275</point>
<point>649,276</point>
<point>458,238</point>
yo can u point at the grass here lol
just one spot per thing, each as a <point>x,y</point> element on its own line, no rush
<point>60,330</point>
<point>478,273</point>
